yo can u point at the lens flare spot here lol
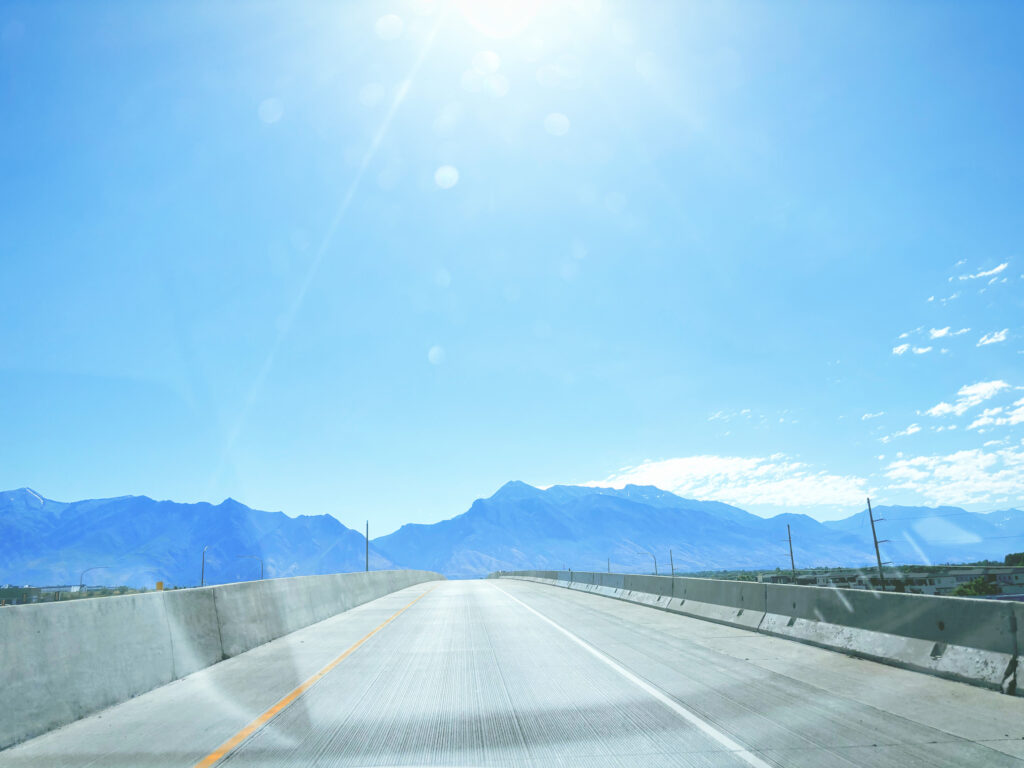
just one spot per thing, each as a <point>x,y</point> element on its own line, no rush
<point>436,355</point>
<point>389,27</point>
<point>497,85</point>
<point>446,177</point>
<point>556,124</point>
<point>486,62</point>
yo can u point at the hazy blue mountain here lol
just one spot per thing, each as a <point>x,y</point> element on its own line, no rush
<point>142,540</point>
<point>49,542</point>
<point>581,527</point>
<point>524,527</point>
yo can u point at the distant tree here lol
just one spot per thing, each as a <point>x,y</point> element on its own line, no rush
<point>1015,558</point>
<point>983,585</point>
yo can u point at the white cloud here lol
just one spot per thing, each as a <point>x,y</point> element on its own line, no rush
<point>867,416</point>
<point>774,481</point>
<point>900,349</point>
<point>996,417</point>
<point>965,477</point>
<point>912,429</point>
<point>921,350</point>
<point>729,415</point>
<point>969,396</point>
<point>993,338</point>
<point>987,273</point>
<point>938,333</point>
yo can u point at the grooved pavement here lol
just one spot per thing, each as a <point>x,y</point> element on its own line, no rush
<point>493,673</point>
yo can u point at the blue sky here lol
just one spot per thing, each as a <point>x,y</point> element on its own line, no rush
<point>375,260</point>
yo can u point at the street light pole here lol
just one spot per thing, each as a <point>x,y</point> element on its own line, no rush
<point>367,546</point>
<point>81,578</point>
<point>202,572</point>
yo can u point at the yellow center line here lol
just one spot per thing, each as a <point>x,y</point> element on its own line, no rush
<point>220,752</point>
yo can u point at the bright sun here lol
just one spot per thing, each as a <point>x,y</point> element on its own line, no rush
<point>499,18</point>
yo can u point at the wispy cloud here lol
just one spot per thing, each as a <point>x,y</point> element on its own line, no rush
<point>911,430</point>
<point>993,338</point>
<point>997,417</point>
<point>921,350</point>
<point>986,273</point>
<point>867,416</point>
<point>900,349</point>
<point>729,415</point>
<point>775,480</point>
<point>969,396</point>
<point>965,477</point>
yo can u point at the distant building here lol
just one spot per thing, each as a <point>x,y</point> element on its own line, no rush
<point>938,581</point>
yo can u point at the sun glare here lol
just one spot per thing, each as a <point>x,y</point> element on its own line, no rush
<point>500,18</point>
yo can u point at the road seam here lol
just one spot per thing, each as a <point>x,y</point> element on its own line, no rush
<point>231,744</point>
<point>691,717</point>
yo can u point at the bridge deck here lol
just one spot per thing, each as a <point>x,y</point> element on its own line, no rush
<point>515,673</point>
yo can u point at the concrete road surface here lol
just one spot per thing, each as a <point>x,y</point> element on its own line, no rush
<point>516,673</point>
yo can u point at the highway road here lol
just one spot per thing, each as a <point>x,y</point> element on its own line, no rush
<point>504,672</point>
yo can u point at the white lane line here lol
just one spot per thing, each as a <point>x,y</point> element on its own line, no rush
<point>703,725</point>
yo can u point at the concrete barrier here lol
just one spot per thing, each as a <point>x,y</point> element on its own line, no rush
<point>62,661</point>
<point>736,603</point>
<point>975,641</point>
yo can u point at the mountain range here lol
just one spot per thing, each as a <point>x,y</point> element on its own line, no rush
<point>137,541</point>
<point>634,529</point>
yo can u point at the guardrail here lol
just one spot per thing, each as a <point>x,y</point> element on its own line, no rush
<point>63,661</point>
<point>980,642</point>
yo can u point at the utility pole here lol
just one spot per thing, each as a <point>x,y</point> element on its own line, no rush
<point>792,565</point>
<point>609,565</point>
<point>671,563</point>
<point>878,555</point>
<point>367,546</point>
<point>202,572</point>
<point>652,557</point>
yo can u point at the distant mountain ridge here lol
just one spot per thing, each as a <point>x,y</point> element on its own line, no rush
<point>140,540</point>
<point>590,528</point>
<point>519,526</point>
